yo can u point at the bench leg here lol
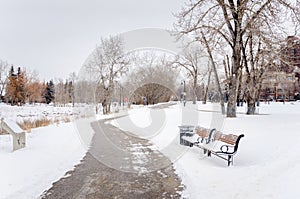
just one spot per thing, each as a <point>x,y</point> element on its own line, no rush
<point>230,160</point>
<point>204,151</point>
<point>209,154</point>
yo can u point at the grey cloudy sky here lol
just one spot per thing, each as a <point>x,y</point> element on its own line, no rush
<point>54,37</point>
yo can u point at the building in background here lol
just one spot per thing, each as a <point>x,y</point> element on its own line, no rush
<point>282,83</point>
<point>279,86</point>
<point>290,56</point>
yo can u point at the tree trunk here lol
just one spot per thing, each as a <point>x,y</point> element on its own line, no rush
<point>216,73</point>
<point>219,89</point>
<point>234,80</point>
<point>195,89</point>
<point>231,104</point>
<point>108,107</point>
<point>251,106</point>
<point>205,95</point>
<point>252,98</point>
<point>104,109</point>
<point>239,99</point>
<point>206,89</point>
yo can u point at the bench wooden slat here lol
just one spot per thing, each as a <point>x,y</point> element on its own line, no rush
<point>217,135</point>
<point>202,132</point>
<point>229,139</point>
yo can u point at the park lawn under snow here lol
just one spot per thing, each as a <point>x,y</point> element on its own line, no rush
<point>50,151</point>
<point>267,164</point>
<point>49,154</point>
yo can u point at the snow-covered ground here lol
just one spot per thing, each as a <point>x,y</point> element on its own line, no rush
<point>37,111</point>
<point>267,164</point>
<point>50,151</point>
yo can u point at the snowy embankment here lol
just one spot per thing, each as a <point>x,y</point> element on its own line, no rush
<point>267,164</point>
<point>50,152</point>
<point>37,111</point>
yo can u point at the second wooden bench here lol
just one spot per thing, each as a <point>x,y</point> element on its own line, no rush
<point>216,143</point>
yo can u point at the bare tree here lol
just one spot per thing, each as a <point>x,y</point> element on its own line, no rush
<point>262,52</point>
<point>72,79</point>
<point>228,21</point>
<point>107,63</point>
<point>214,68</point>
<point>152,79</point>
<point>4,68</point>
<point>61,96</point>
<point>34,91</point>
<point>152,93</point>
<point>84,91</point>
<point>207,86</point>
<point>258,55</point>
<point>33,87</point>
<point>191,61</point>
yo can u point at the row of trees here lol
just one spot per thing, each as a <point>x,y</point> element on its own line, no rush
<point>149,76</point>
<point>20,87</point>
<point>146,77</point>
<point>136,76</point>
<point>243,35</point>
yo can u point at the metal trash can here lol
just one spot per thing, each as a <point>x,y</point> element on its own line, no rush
<point>186,130</point>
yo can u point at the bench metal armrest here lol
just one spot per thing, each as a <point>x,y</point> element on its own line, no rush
<point>200,139</point>
<point>225,149</point>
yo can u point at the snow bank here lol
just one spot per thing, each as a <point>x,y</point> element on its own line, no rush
<point>50,152</point>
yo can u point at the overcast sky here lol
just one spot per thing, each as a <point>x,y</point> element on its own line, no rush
<point>54,37</point>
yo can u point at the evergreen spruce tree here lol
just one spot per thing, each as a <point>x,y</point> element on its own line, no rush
<point>71,92</point>
<point>11,87</point>
<point>49,91</point>
<point>11,72</point>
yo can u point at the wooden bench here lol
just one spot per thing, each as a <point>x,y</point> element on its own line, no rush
<point>215,142</point>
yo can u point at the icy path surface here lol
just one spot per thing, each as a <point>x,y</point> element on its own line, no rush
<point>119,165</point>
